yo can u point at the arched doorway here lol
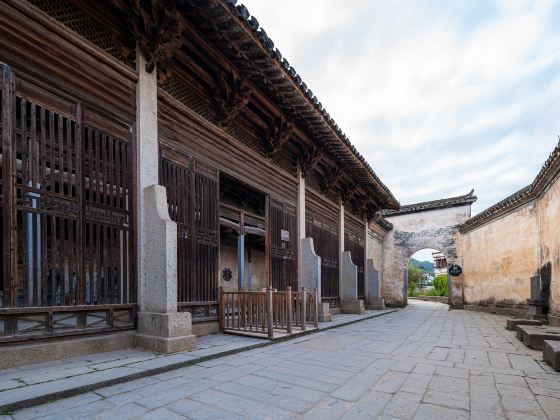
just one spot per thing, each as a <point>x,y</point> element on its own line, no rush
<point>426,273</point>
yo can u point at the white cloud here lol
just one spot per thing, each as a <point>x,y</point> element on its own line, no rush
<point>439,97</point>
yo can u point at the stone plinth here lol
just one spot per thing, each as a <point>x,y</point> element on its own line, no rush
<point>165,333</point>
<point>551,353</point>
<point>349,303</point>
<point>373,287</point>
<point>324,312</point>
<point>352,307</point>
<point>160,327</point>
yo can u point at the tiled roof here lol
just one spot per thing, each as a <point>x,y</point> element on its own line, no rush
<point>354,161</point>
<point>433,205</point>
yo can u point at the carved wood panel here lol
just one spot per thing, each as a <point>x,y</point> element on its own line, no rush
<point>283,239</point>
<point>354,241</point>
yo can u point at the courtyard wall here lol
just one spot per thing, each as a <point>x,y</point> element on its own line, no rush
<point>502,247</point>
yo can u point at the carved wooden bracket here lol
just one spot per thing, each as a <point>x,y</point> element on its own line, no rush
<point>310,159</point>
<point>348,191</point>
<point>331,180</point>
<point>371,210</point>
<point>157,26</point>
<point>277,134</point>
<point>229,94</point>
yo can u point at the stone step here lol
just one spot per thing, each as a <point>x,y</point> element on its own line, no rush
<point>512,323</point>
<point>551,353</point>
<point>533,336</point>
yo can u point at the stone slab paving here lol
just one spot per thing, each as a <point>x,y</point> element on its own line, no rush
<point>32,384</point>
<point>423,362</point>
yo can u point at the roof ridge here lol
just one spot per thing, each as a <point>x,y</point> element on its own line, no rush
<point>468,198</point>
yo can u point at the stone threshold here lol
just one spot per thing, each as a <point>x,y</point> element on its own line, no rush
<point>45,382</point>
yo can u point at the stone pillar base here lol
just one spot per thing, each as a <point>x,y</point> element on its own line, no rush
<point>375,303</point>
<point>352,307</point>
<point>165,333</point>
<point>324,312</point>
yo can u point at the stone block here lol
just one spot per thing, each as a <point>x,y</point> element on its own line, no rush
<point>165,333</point>
<point>533,336</point>
<point>352,307</point>
<point>551,353</point>
<point>14,355</point>
<point>512,323</point>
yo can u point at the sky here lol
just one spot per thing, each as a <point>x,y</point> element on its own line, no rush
<point>424,255</point>
<point>439,96</point>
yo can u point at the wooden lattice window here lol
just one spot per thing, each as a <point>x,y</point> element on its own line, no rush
<point>67,215</point>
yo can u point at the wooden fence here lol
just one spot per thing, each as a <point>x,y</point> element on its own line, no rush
<point>268,312</point>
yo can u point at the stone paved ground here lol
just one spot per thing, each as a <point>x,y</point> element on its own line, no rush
<point>424,362</point>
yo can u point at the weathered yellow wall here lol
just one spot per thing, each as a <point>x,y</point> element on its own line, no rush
<point>499,258</point>
<point>549,222</point>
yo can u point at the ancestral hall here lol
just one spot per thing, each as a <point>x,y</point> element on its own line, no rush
<point>155,151</point>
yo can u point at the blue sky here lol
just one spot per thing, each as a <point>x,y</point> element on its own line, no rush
<point>439,96</point>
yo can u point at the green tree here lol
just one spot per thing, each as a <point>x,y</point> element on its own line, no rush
<point>415,276</point>
<point>440,285</point>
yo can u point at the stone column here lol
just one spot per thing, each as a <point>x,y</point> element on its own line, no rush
<point>373,287</point>
<point>311,275</point>
<point>349,303</point>
<point>160,327</point>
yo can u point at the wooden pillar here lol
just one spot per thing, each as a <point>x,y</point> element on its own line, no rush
<point>240,262</point>
<point>300,215</point>
<point>9,237</point>
<point>340,240</point>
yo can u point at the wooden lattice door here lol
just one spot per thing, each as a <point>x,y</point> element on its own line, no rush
<point>283,251</point>
<point>192,195</point>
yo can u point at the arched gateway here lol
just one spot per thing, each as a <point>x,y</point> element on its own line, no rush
<point>431,224</point>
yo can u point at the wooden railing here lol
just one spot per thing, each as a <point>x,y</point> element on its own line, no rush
<point>268,312</point>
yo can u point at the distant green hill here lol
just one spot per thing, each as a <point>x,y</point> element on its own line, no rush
<point>424,265</point>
